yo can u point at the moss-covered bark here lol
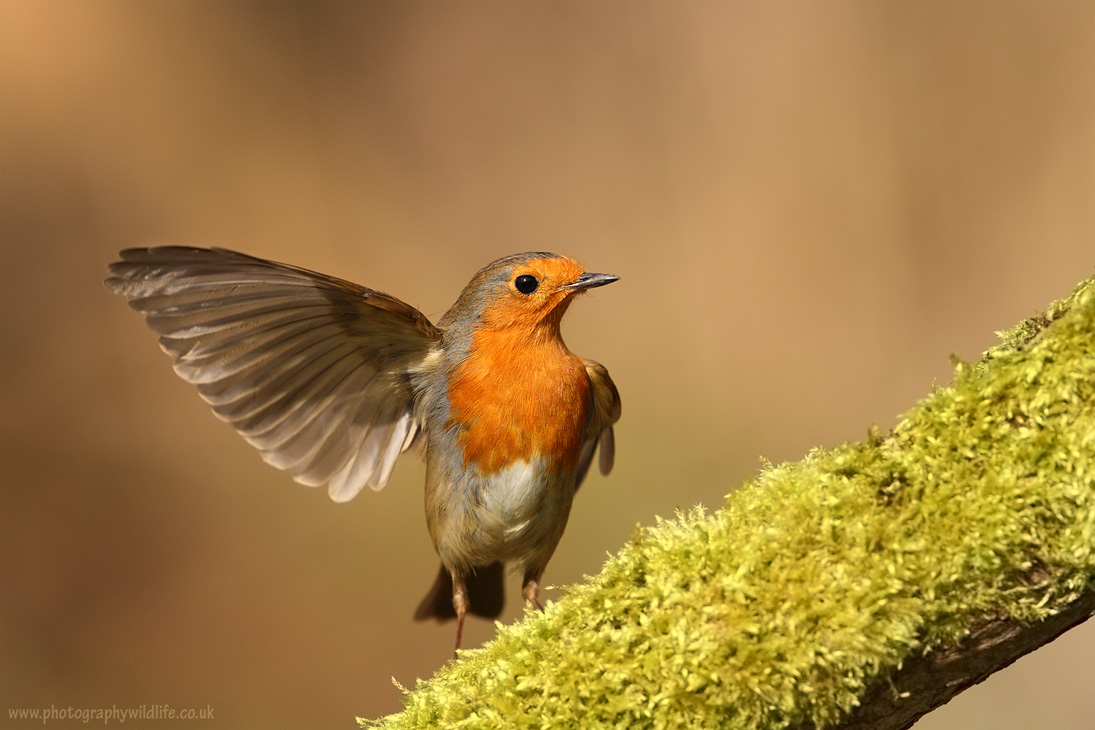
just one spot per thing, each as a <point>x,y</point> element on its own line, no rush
<point>819,579</point>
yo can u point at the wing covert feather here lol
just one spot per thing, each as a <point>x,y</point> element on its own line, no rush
<point>605,412</point>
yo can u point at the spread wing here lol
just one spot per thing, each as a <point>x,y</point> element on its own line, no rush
<point>605,412</point>
<point>312,370</point>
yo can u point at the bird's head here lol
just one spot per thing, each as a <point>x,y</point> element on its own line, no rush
<point>526,291</point>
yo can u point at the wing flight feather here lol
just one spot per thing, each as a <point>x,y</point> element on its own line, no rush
<point>312,370</point>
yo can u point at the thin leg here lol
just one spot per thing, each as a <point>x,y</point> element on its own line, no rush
<point>460,604</point>
<point>531,589</point>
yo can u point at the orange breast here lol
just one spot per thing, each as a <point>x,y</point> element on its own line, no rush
<point>516,399</point>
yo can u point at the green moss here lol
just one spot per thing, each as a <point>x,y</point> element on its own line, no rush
<point>817,577</point>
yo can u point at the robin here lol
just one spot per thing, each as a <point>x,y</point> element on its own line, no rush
<point>332,381</point>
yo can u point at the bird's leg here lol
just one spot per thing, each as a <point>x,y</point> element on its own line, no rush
<point>531,589</point>
<point>460,603</point>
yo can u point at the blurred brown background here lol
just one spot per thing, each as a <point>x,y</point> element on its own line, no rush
<point>810,207</point>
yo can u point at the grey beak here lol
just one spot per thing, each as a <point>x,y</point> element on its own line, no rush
<point>590,281</point>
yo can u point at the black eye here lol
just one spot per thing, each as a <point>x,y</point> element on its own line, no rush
<point>526,284</point>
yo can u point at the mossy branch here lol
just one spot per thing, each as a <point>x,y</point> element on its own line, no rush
<point>860,587</point>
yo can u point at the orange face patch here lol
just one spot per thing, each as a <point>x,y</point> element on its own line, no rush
<point>547,303</point>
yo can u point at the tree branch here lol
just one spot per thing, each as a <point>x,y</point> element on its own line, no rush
<point>858,588</point>
<point>930,681</point>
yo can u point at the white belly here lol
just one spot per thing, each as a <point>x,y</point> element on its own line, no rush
<point>511,497</point>
<point>511,515</point>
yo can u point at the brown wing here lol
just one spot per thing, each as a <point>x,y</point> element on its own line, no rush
<point>605,413</point>
<point>312,370</point>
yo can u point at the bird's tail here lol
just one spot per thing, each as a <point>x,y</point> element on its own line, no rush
<point>485,593</point>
